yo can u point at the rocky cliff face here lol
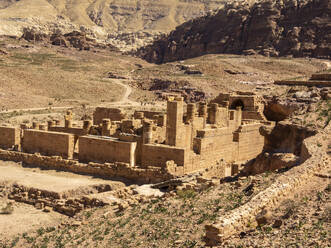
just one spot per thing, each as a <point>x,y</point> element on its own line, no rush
<point>272,28</point>
<point>119,22</point>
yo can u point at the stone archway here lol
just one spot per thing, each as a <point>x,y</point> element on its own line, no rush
<point>237,103</point>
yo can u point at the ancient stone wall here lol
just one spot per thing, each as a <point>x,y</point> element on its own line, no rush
<point>101,149</point>
<point>73,130</point>
<point>110,170</point>
<point>175,135</point>
<point>10,137</point>
<point>113,114</point>
<point>48,143</point>
<point>240,219</point>
<point>321,76</point>
<point>250,141</point>
<point>216,144</point>
<point>158,155</point>
<point>147,114</point>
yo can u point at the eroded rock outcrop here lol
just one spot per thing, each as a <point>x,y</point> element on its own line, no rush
<point>271,28</point>
<point>74,39</point>
<point>282,149</point>
<point>286,137</point>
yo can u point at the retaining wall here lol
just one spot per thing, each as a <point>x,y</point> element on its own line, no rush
<point>239,219</point>
<point>108,170</point>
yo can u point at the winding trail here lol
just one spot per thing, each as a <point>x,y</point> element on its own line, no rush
<point>125,101</point>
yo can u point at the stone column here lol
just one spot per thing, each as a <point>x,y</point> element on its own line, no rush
<point>23,127</point>
<point>106,124</point>
<point>87,124</point>
<point>35,125</point>
<point>50,124</point>
<point>239,115</point>
<point>174,132</point>
<point>148,133</point>
<point>203,110</point>
<point>68,119</point>
<point>190,114</point>
<point>68,123</point>
<point>213,113</point>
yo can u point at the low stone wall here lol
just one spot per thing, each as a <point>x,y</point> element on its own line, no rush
<point>110,170</point>
<point>305,83</point>
<point>43,199</point>
<point>158,155</point>
<point>241,218</point>
<point>321,76</point>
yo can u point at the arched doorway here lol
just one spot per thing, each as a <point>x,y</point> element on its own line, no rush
<point>237,103</point>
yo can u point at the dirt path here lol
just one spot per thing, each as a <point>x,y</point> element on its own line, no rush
<point>125,98</point>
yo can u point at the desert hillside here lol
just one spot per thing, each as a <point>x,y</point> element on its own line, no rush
<point>130,21</point>
<point>272,28</point>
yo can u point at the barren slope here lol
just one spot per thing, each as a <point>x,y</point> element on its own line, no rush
<point>101,16</point>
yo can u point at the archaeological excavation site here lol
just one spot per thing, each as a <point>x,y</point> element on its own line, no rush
<point>156,124</point>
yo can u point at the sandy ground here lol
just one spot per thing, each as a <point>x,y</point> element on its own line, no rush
<point>26,218</point>
<point>48,180</point>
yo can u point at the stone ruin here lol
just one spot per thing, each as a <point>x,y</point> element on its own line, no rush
<point>150,146</point>
<point>318,80</point>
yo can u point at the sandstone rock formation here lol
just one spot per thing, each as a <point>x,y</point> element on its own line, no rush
<point>122,23</point>
<point>271,28</point>
<point>74,39</point>
<point>286,138</point>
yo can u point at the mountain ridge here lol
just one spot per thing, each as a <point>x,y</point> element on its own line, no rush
<point>272,28</point>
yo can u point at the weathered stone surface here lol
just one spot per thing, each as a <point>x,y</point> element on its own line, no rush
<point>271,28</point>
<point>241,218</point>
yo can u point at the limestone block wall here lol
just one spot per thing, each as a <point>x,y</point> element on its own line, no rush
<point>128,125</point>
<point>148,114</point>
<point>321,76</point>
<point>253,115</point>
<point>77,132</point>
<point>9,137</point>
<point>305,83</point>
<point>134,138</point>
<point>250,141</point>
<point>248,102</point>
<point>111,170</point>
<point>73,130</point>
<point>48,143</point>
<point>238,220</point>
<point>101,149</point>
<point>113,114</point>
<point>216,145</point>
<point>158,155</point>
